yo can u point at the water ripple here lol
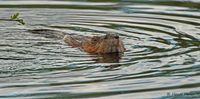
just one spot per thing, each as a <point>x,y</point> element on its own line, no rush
<point>162,58</point>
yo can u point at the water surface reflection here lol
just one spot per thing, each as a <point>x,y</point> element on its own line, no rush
<point>162,38</point>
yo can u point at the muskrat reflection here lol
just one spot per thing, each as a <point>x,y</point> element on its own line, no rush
<point>108,58</point>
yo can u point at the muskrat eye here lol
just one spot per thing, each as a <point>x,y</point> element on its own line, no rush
<point>95,38</point>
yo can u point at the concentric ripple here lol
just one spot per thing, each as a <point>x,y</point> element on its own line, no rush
<point>162,60</point>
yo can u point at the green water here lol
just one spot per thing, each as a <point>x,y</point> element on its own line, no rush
<point>162,61</point>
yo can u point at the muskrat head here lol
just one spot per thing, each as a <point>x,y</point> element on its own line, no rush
<point>109,43</point>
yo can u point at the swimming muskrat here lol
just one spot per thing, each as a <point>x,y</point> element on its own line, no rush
<point>109,43</point>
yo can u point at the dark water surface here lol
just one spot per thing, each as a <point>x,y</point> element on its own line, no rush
<point>162,60</point>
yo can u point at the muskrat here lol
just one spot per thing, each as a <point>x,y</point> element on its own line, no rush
<point>109,43</point>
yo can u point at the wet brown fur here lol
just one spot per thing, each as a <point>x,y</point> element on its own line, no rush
<point>109,43</point>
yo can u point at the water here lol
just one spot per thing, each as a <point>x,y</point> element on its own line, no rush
<point>162,61</point>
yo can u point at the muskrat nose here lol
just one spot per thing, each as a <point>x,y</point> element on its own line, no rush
<point>116,36</point>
